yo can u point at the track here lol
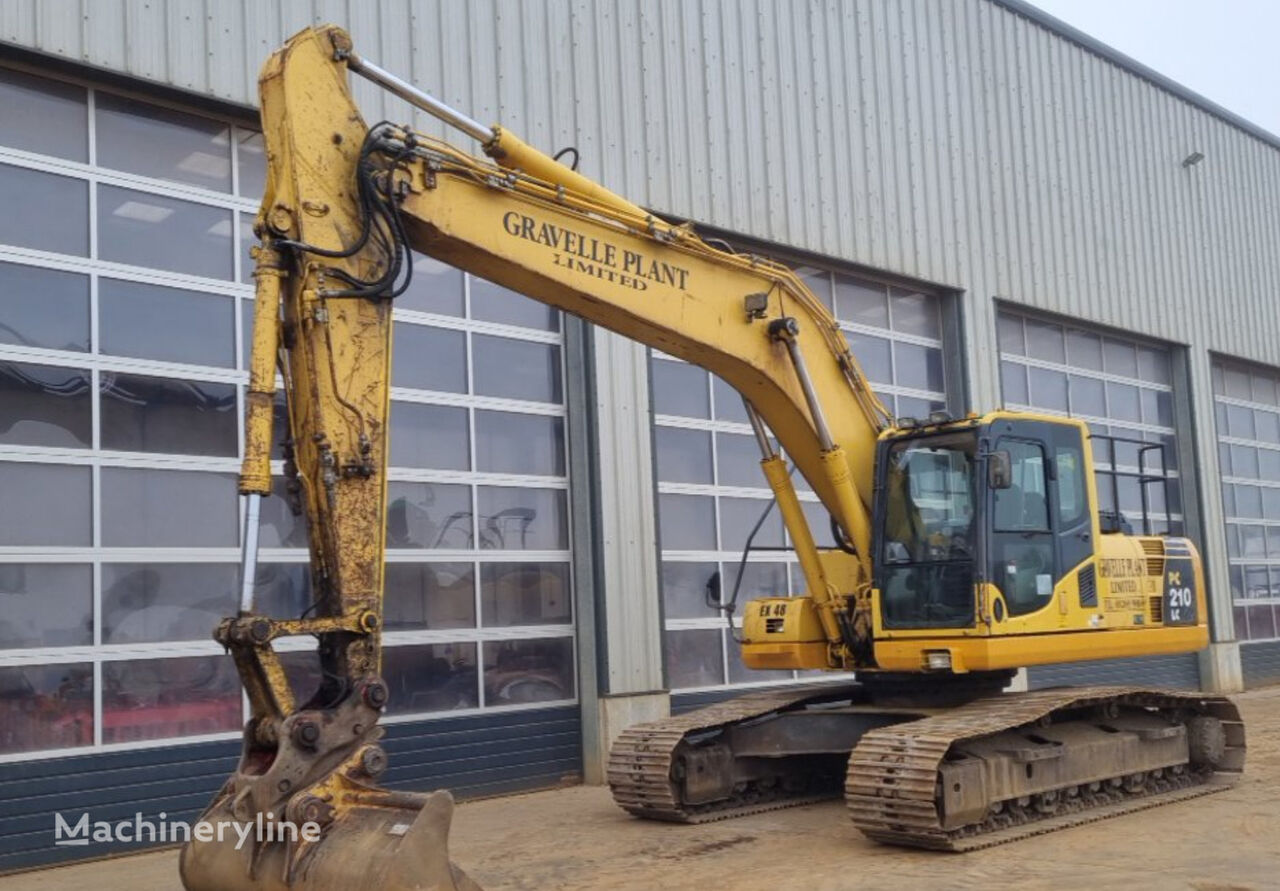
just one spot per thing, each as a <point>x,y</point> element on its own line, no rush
<point>893,774</point>
<point>642,759</point>
<point>892,782</point>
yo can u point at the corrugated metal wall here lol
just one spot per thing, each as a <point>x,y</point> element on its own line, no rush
<point>959,142</point>
<point>474,756</point>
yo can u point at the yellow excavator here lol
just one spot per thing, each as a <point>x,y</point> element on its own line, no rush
<point>968,547</point>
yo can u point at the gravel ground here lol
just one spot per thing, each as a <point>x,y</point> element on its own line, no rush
<point>577,839</point>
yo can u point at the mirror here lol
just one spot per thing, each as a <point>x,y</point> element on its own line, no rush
<point>999,470</point>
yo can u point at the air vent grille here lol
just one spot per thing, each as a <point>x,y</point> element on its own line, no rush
<point>1088,583</point>
<point>1154,549</point>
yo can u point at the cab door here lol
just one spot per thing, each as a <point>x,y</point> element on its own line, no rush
<point>1041,522</point>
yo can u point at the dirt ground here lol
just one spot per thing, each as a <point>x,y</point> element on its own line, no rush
<point>577,839</point>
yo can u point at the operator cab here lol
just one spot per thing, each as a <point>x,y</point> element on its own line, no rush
<point>1004,499</point>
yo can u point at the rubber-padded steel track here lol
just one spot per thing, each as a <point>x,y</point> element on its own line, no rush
<point>893,772</point>
<point>640,761</point>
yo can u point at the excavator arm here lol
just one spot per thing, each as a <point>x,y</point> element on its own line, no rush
<point>343,207</point>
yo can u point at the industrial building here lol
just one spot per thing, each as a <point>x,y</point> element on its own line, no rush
<point>999,210</point>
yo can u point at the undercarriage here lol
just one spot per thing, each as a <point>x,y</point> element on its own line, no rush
<point>937,775</point>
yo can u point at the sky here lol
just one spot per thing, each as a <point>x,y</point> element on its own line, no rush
<point>1225,50</point>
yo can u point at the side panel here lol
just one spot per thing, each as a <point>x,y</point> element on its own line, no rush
<point>473,756</point>
<point>1180,671</point>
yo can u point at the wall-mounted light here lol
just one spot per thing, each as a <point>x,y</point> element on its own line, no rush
<point>1193,159</point>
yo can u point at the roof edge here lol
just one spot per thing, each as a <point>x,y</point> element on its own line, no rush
<point>1133,66</point>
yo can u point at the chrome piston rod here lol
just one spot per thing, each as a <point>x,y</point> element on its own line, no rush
<point>411,94</point>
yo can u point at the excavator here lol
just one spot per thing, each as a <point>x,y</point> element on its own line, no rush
<point>967,547</point>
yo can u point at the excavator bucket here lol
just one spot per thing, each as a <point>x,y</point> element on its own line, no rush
<point>396,842</point>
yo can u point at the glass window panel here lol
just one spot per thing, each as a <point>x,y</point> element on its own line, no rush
<point>1153,365</point>
<point>1122,402</point>
<point>1269,465</point>
<point>164,233</point>
<point>684,589</point>
<point>513,519</point>
<point>1271,503</point>
<point>46,505</point>
<point>44,405</point>
<point>873,355</point>
<point>1262,624</point>
<point>861,302</point>
<point>1252,541</point>
<point>1240,422</point>
<point>516,369</point>
<point>737,518</point>
<point>1264,388</point>
<point>302,670</point>
<point>160,698</point>
<point>1249,502</point>
<point>819,282</point>
<point>45,605</point>
<point>424,358</point>
<point>1239,383</point>
<point>430,677</point>
<point>687,522</point>
<point>1087,396</point>
<point>198,329</point>
<point>1009,334</point>
<point>1084,350</point>
<point>46,707</point>
<point>523,671</point>
<point>146,139</point>
<point>251,163</point>
<point>1256,585</point>
<point>738,461</point>
<point>729,405</point>
<point>525,594</point>
<point>1013,383</point>
<point>1044,341</point>
<point>247,241</point>
<point>155,602</point>
<point>155,414</point>
<point>509,442</point>
<point>918,367</point>
<point>278,525</point>
<point>282,590</point>
<point>429,515</point>
<point>55,211</point>
<point>759,579</point>
<point>430,595</point>
<point>740,674</point>
<point>683,456</point>
<point>914,313</point>
<point>694,658</point>
<point>435,436</point>
<point>168,508</point>
<point>1244,462</point>
<point>42,115</point>
<point>911,407</point>
<point>1130,495</point>
<point>1219,384</point>
<point>1229,500</point>
<point>435,287</point>
<point>494,303</point>
<point>1157,407</point>
<point>679,389</point>
<point>1120,357</point>
<point>1273,542</point>
<point>44,308</point>
<point>1048,389</point>
<point>1240,619</point>
<point>1267,427</point>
